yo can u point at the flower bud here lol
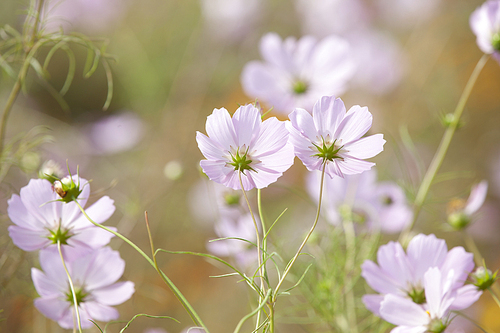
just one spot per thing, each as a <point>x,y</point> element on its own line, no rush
<point>51,171</point>
<point>67,189</point>
<point>458,220</point>
<point>483,278</point>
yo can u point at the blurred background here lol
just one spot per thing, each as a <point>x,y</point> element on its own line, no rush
<point>176,62</point>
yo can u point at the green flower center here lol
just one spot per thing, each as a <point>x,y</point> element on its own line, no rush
<point>241,162</point>
<point>417,295</point>
<point>495,41</point>
<point>327,151</point>
<point>299,87</point>
<point>59,235</point>
<point>80,296</point>
<point>232,199</point>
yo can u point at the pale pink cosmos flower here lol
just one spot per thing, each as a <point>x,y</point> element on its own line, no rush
<point>485,23</point>
<point>231,20</point>
<point>40,219</point>
<point>402,274</point>
<point>296,73</point>
<point>374,205</point>
<point>94,276</point>
<point>241,227</point>
<point>407,13</point>
<point>244,144</point>
<point>434,315</point>
<point>333,136</point>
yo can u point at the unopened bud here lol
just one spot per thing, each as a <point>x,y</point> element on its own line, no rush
<point>483,278</point>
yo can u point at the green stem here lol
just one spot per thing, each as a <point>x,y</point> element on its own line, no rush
<point>264,246</point>
<point>350,239</point>
<point>21,76</point>
<point>187,306</point>
<point>305,239</point>
<point>438,158</point>
<point>494,297</point>
<point>72,288</point>
<point>259,255</point>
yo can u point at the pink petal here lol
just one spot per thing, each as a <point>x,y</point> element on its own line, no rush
<point>99,212</point>
<point>99,311</point>
<point>272,50</point>
<point>105,269</point>
<point>92,236</point>
<point>425,251</point>
<point>356,123</point>
<point>210,149</point>
<point>220,128</point>
<point>366,147</point>
<point>328,113</point>
<point>352,166</point>
<point>114,294</point>
<point>45,286</point>
<point>402,311</point>
<point>19,215</point>
<point>378,279</point>
<point>29,239</point>
<point>36,197</point>
<point>53,308</point>
<point>465,297</point>
<point>246,122</point>
<point>476,198</point>
<point>372,302</point>
<point>394,262</point>
<point>304,125</point>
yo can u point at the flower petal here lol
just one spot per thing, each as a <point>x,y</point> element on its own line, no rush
<point>476,198</point>
<point>220,128</point>
<point>355,124</point>
<point>402,311</point>
<point>29,239</point>
<point>366,147</point>
<point>114,294</point>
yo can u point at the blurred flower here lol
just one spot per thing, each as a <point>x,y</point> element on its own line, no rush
<point>296,73</point>
<point>380,61</point>
<point>173,170</point>
<point>94,277</point>
<point>332,136</point>
<point>116,133</point>
<point>413,317</point>
<point>485,23</point>
<point>40,221</point>
<point>92,16</point>
<point>403,274</point>
<point>407,13</point>
<point>244,144</point>
<point>50,170</point>
<point>325,17</point>
<point>193,330</point>
<point>155,330</point>
<point>375,205</point>
<point>231,19</point>
<point>460,212</point>
<point>242,227</point>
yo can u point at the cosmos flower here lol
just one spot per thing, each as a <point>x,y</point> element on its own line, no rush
<point>485,23</point>
<point>94,277</point>
<point>245,144</point>
<point>242,227</point>
<point>415,318</point>
<point>406,13</point>
<point>40,220</point>
<point>332,136</point>
<point>402,274</point>
<point>374,205</point>
<point>460,212</point>
<point>296,73</point>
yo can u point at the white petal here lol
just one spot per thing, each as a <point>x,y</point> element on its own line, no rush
<point>355,124</point>
<point>366,147</point>
<point>247,121</point>
<point>114,294</point>
<point>425,251</point>
<point>402,311</point>
<point>220,128</point>
<point>476,198</point>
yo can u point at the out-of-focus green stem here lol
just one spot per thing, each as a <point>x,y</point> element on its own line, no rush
<point>305,239</point>
<point>438,158</point>
<point>29,48</point>
<point>350,241</point>
<point>72,288</point>
<point>187,306</point>
<point>494,297</point>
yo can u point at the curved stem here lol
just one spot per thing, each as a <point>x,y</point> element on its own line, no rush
<point>187,306</point>
<point>72,288</point>
<point>438,158</point>
<point>305,239</point>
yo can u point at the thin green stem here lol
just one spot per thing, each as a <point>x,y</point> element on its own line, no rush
<point>305,239</point>
<point>187,306</point>
<point>494,296</point>
<point>350,239</point>
<point>20,77</point>
<point>72,288</point>
<point>259,255</point>
<point>440,154</point>
<point>264,246</point>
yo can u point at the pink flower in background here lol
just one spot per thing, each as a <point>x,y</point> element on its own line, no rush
<point>115,133</point>
<point>40,220</point>
<point>244,143</point>
<point>242,227</point>
<point>231,19</point>
<point>485,23</point>
<point>333,136</point>
<point>94,277</point>
<point>402,274</point>
<point>406,13</point>
<point>325,17</point>
<point>374,205</point>
<point>92,16</point>
<point>434,316</point>
<point>296,73</point>
<point>380,61</point>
